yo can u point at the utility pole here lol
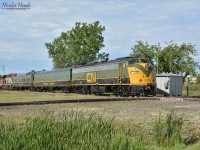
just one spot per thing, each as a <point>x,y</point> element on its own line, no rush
<point>157,55</point>
<point>3,70</point>
<point>187,86</point>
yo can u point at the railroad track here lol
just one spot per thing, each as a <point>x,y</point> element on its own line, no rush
<point>105,99</point>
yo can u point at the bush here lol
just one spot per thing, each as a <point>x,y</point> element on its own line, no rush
<point>194,89</point>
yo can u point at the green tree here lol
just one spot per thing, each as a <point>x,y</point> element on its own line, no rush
<point>57,51</point>
<point>103,56</point>
<point>198,78</point>
<point>144,50</point>
<point>178,59</point>
<point>79,45</point>
<point>173,58</point>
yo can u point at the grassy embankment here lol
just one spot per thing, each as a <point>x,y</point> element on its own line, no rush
<point>78,130</point>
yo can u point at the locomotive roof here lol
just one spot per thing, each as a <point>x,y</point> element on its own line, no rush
<point>117,60</point>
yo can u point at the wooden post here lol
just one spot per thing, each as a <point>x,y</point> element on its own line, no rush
<point>187,87</point>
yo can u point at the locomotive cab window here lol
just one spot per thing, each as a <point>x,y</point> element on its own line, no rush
<point>131,62</point>
<point>143,61</point>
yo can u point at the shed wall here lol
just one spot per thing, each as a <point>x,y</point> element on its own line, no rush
<point>169,84</point>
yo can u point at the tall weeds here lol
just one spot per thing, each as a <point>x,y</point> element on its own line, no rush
<point>72,130</point>
<point>167,131</point>
<point>81,131</point>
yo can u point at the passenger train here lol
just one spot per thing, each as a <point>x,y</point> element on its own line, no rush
<point>126,76</point>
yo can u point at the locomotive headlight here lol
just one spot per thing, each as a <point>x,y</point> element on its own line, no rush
<point>134,72</point>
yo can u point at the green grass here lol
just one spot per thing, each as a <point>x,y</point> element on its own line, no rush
<point>26,96</point>
<point>83,130</point>
<point>45,129</point>
<point>167,131</point>
<point>194,90</point>
<point>72,130</point>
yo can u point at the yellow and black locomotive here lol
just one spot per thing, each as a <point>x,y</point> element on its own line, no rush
<point>125,76</point>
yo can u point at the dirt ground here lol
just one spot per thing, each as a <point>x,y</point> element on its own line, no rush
<point>135,111</point>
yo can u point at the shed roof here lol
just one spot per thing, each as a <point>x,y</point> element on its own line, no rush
<point>168,75</point>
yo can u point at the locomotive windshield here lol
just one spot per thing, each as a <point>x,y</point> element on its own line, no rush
<point>143,61</point>
<point>131,62</point>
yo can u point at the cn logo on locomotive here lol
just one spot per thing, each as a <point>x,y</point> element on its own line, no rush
<point>91,77</point>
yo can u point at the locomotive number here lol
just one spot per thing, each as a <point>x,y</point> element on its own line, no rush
<point>91,77</point>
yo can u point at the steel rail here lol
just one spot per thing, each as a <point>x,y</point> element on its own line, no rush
<point>104,99</point>
<point>43,102</point>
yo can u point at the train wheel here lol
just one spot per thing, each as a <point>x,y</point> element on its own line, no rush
<point>146,93</point>
<point>116,91</point>
<point>39,89</point>
<point>125,92</point>
<point>66,90</point>
<point>153,91</point>
<point>79,90</point>
<point>89,90</point>
<point>84,90</point>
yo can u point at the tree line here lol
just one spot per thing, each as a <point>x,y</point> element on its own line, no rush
<point>172,58</point>
<point>81,45</point>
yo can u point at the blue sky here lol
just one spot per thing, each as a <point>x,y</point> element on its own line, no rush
<point>23,33</point>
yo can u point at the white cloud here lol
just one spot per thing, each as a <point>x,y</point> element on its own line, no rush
<point>23,33</point>
<point>10,50</point>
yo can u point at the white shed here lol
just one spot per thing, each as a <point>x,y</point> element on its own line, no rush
<point>169,84</point>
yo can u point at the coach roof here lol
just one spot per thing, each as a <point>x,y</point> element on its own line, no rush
<point>56,70</point>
